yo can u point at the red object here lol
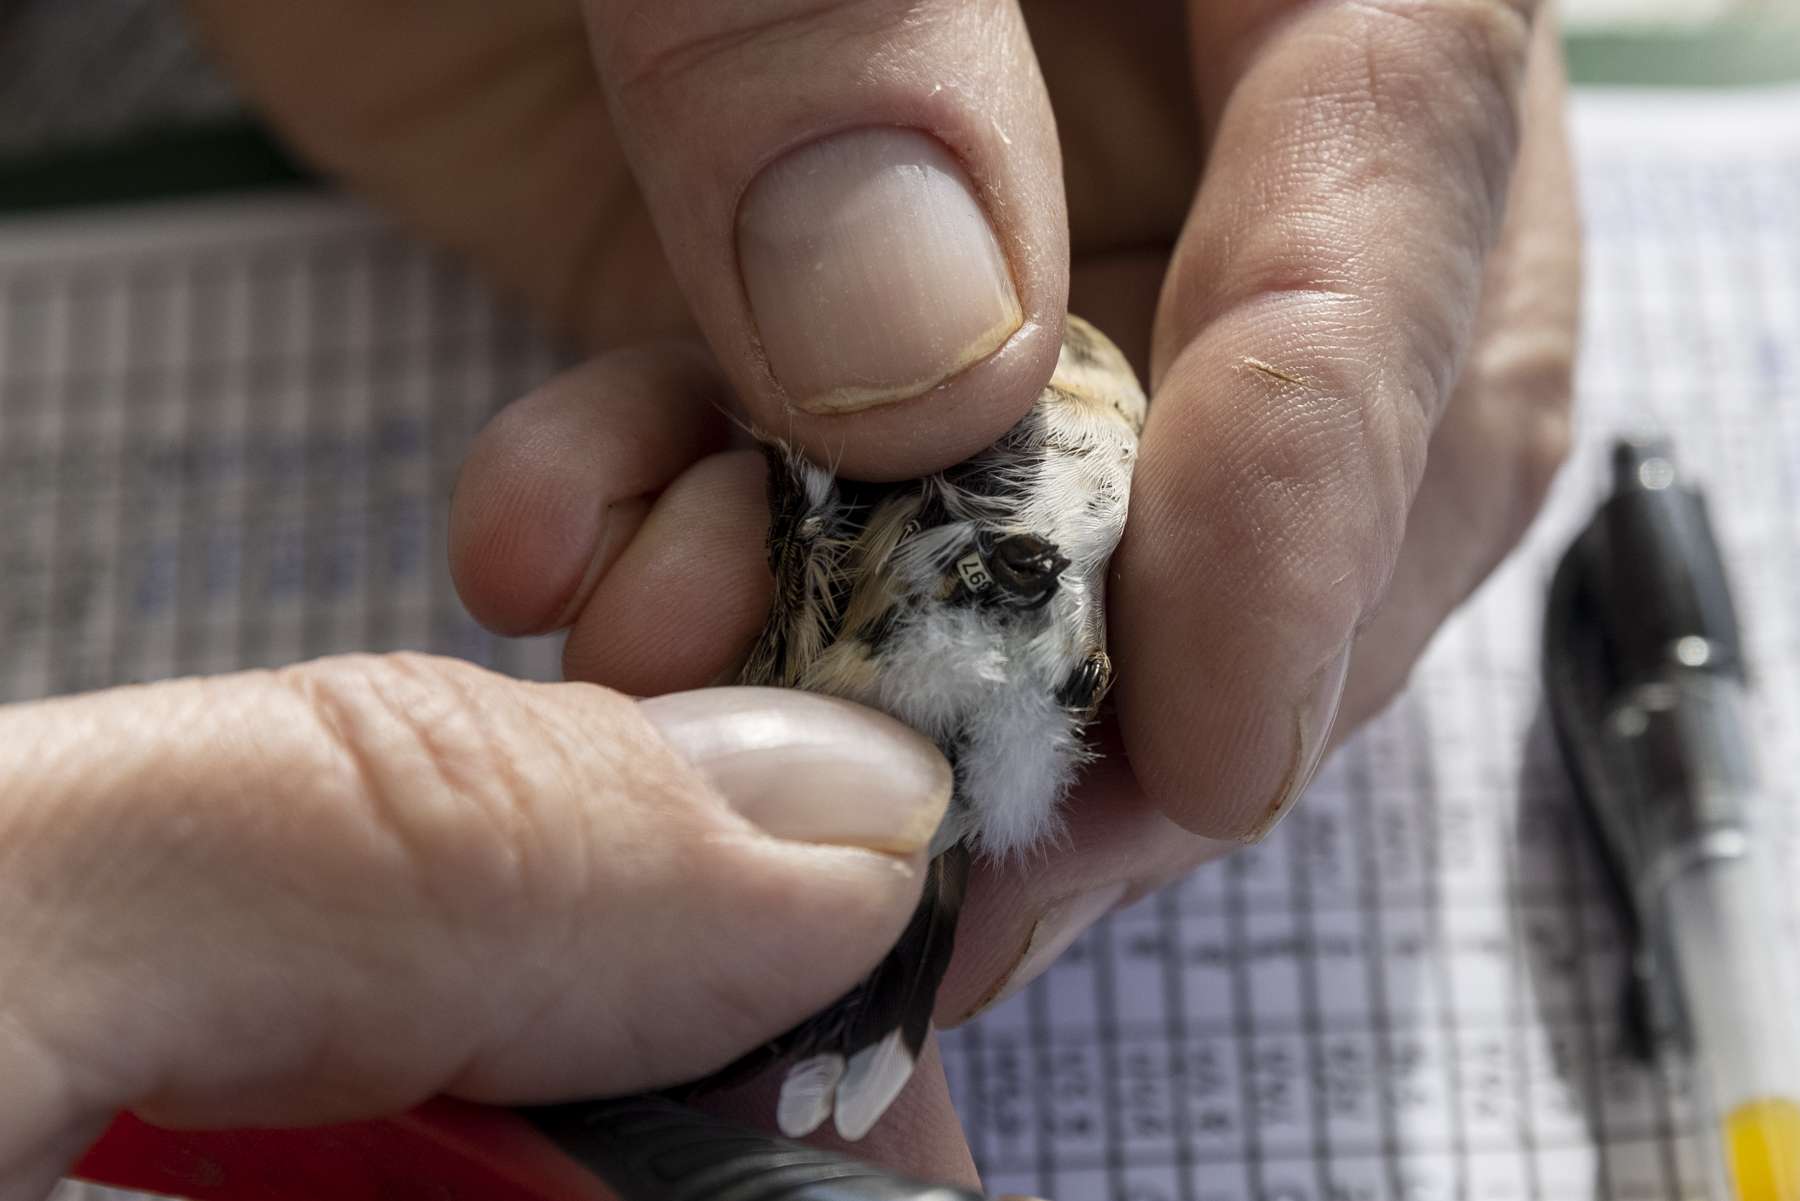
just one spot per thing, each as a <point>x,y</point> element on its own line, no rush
<point>442,1151</point>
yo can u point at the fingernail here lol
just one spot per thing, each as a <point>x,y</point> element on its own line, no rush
<point>618,524</point>
<point>1313,719</point>
<point>871,269</point>
<point>1061,925</point>
<point>810,768</point>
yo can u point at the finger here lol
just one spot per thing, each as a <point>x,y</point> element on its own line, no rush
<point>1314,319</point>
<point>334,891</point>
<point>685,600</point>
<point>557,484</point>
<point>863,205</point>
<point>1492,457</point>
<point>1507,427</point>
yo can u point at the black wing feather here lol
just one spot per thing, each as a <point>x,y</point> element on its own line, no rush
<point>902,992</point>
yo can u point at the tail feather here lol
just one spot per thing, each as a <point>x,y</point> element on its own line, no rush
<point>886,1020</point>
<point>902,992</point>
<point>873,1078</point>
<point>808,1094</point>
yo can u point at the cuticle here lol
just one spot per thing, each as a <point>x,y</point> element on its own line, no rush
<point>1005,978</point>
<point>1302,763</point>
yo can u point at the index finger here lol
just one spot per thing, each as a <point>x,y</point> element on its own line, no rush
<point>1310,329</point>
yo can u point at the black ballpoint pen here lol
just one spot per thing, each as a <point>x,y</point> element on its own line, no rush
<point>1646,681</point>
<point>650,1149</point>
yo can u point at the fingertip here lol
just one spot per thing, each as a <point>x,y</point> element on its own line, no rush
<point>556,485</point>
<point>524,526</point>
<point>1229,760</point>
<point>872,270</point>
<point>1267,510</point>
<point>686,598</point>
<point>886,315</point>
<point>811,768</point>
<point>865,209</point>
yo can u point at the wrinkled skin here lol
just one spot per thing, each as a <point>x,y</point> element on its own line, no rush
<point>1357,323</point>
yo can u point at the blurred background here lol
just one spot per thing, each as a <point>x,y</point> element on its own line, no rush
<point>104,99</point>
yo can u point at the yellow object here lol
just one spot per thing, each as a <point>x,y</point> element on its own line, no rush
<point>1762,1145</point>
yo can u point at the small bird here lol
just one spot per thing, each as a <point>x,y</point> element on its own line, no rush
<point>969,604</point>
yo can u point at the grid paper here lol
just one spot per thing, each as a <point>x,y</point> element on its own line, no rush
<point>228,436</point>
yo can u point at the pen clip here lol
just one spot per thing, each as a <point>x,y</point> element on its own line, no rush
<point>1577,681</point>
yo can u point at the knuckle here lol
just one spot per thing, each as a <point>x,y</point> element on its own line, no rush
<point>46,1061</point>
<point>1489,37</point>
<point>646,47</point>
<point>1328,450</point>
<point>1544,447</point>
<point>1335,307</point>
<point>1338,481</point>
<point>1524,386</point>
<point>1551,436</point>
<point>421,768</point>
<point>1450,72</point>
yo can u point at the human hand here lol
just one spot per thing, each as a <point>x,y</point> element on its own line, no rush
<point>1360,346</point>
<point>334,891</point>
<point>1358,325</point>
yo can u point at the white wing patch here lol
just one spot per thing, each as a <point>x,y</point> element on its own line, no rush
<point>875,1076</point>
<point>808,1092</point>
<point>855,1093</point>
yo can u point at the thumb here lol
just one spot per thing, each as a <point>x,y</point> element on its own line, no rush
<point>863,204</point>
<point>334,891</point>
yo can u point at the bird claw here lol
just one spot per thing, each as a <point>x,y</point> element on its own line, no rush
<point>1086,686</point>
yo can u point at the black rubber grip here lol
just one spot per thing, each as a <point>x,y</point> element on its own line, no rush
<point>655,1149</point>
